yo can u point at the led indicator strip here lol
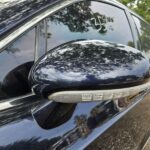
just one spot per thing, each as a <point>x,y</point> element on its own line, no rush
<point>98,95</point>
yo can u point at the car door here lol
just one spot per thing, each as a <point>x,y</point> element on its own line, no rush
<point>35,123</point>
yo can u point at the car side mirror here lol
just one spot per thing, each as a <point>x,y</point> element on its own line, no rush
<point>90,70</point>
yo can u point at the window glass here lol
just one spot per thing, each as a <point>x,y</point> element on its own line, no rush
<point>15,63</point>
<point>88,20</point>
<point>144,33</point>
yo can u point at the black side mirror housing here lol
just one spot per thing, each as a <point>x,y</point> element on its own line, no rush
<point>89,66</point>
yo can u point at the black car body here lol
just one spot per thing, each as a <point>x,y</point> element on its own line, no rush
<point>28,30</point>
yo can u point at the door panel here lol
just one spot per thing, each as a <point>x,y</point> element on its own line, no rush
<point>86,122</point>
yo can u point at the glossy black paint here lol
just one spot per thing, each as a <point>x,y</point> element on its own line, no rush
<point>18,12</point>
<point>77,127</point>
<point>52,114</point>
<point>88,65</point>
<point>76,132</point>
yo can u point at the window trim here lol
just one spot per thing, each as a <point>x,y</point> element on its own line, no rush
<point>137,30</point>
<point>139,17</point>
<point>133,30</point>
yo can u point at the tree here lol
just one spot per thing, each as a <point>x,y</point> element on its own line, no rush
<point>141,7</point>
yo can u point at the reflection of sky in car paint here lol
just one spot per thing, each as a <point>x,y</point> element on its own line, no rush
<point>60,33</point>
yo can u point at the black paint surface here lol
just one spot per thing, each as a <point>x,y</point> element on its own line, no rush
<point>87,65</point>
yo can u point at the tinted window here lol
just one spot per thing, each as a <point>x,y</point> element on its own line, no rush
<point>144,33</point>
<point>15,63</point>
<point>89,20</point>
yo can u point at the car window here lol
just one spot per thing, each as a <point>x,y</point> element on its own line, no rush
<point>144,33</point>
<point>15,63</point>
<point>88,20</point>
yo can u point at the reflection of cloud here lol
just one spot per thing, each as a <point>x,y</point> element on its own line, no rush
<point>124,71</point>
<point>52,73</point>
<point>23,49</point>
<point>5,105</point>
<point>106,44</point>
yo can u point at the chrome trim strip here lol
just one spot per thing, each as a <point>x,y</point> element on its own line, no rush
<point>35,43</point>
<point>37,34</point>
<point>45,26</point>
<point>8,103</point>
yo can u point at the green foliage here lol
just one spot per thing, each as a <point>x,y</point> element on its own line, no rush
<point>141,7</point>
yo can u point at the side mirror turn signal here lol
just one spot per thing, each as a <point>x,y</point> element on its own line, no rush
<point>90,70</point>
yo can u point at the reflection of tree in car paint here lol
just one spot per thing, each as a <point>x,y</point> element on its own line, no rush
<point>106,58</point>
<point>86,124</point>
<point>83,125</point>
<point>102,112</point>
